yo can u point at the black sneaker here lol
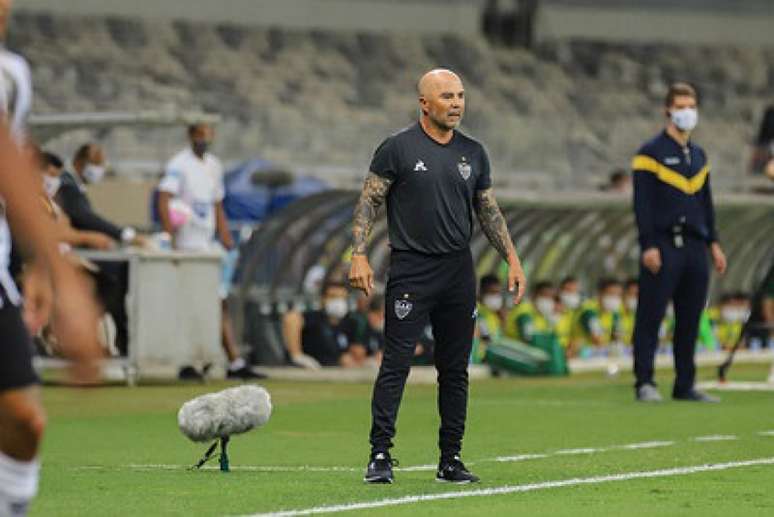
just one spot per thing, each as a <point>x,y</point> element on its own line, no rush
<point>189,373</point>
<point>454,471</point>
<point>696,396</point>
<point>380,468</point>
<point>244,373</point>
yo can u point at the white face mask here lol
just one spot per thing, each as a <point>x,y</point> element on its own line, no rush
<point>545,306</point>
<point>493,302</point>
<point>570,300</point>
<point>336,307</point>
<point>631,304</point>
<point>611,303</point>
<point>733,314</point>
<point>685,119</point>
<point>93,173</point>
<point>51,184</point>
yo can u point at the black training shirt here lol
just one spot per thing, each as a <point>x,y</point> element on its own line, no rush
<point>430,202</point>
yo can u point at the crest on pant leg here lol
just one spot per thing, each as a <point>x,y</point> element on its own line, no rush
<point>403,308</point>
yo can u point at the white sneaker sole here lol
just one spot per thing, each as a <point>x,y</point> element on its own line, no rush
<point>464,482</point>
<point>378,481</point>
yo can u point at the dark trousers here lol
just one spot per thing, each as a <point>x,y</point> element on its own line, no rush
<point>683,278</point>
<point>439,290</point>
<point>112,285</point>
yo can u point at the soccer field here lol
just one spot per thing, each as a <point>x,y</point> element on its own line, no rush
<point>574,446</point>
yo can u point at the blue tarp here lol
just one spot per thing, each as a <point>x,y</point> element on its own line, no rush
<point>256,189</point>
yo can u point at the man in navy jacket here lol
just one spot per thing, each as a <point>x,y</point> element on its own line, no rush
<point>676,223</point>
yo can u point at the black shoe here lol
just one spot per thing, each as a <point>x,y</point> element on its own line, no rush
<point>696,396</point>
<point>189,373</point>
<point>380,468</point>
<point>245,373</point>
<point>454,471</point>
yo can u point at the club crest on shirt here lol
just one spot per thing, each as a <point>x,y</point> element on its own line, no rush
<point>465,169</point>
<point>403,308</point>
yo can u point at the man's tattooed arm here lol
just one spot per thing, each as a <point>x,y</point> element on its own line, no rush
<point>493,224</point>
<point>371,198</point>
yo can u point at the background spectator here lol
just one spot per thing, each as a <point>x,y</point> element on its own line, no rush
<point>568,301</point>
<point>535,316</point>
<point>194,178</point>
<point>89,168</point>
<point>763,153</point>
<point>619,182</point>
<point>322,338</point>
<point>599,318</point>
<point>489,324</point>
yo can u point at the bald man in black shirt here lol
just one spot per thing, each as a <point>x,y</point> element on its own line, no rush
<point>433,178</point>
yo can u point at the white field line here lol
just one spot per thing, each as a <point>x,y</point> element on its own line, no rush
<point>428,467</point>
<point>766,433</point>
<point>716,438</point>
<point>585,450</point>
<point>511,489</point>
<point>645,445</point>
<point>574,452</point>
<point>520,457</point>
<point>246,468</point>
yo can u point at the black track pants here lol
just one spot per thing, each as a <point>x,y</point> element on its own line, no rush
<point>439,290</point>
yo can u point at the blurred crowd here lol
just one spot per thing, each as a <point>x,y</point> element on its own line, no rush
<point>347,328</point>
<point>602,323</point>
<point>192,218</point>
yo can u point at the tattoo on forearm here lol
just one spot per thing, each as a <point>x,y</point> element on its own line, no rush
<point>371,198</point>
<point>493,223</point>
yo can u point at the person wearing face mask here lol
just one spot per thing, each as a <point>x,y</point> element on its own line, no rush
<point>629,309</point>
<point>89,168</point>
<point>728,319</point>
<point>568,301</point>
<point>489,324</point>
<point>598,320</point>
<point>532,317</point>
<point>323,337</point>
<point>194,178</point>
<point>676,224</point>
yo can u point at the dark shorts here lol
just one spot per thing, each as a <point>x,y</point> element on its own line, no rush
<point>15,348</point>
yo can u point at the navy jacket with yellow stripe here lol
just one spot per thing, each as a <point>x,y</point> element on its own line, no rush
<point>671,186</point>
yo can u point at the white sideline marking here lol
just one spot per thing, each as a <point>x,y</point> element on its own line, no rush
<point>646,445</point>
<point>511,489</point>
<point>416,468</point>
<point>766,433</point>
<point>572,452</point>
<point>247,468</point>
<point>520,457</point>
<point>716,438</point>
<point>427,468</point>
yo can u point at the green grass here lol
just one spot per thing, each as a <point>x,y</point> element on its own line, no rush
<point>95,435</point>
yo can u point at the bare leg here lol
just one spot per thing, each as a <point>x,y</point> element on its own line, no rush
<point>227,334</point>
<point>22,421</point>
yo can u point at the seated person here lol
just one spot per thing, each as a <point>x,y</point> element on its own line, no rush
<point>599,319</point>
<point>729,318</point>
<point>568,301</point>
<point>51,167</point>
<point>531,317</point>
<point>89,168</point>
<point>489,324</point>
<point>629,310</point>
<point>376,325</point>
<point>323,338</point>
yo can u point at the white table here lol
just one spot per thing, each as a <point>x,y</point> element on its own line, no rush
<point>173,311</point>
